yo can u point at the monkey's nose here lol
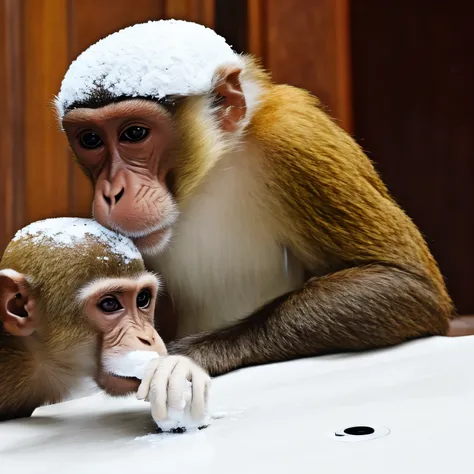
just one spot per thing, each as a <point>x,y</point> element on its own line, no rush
<point>119,195</point>
<point>146,340</point>
<point>113,201</point>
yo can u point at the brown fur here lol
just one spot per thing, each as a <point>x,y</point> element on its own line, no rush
<point>41,369</point>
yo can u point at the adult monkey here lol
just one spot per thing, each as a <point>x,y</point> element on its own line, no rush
<point>283,240</point>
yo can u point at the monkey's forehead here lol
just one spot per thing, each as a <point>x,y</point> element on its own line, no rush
<point>154,59</point>
<point>69,232</point>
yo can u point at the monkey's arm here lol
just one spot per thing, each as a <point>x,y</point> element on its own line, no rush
<point>355,309</point>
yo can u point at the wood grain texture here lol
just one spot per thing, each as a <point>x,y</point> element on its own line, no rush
<point>231,22</point>
<point>305,43</point>
<point>199,11</point>
<point>46,156</point>
<point>257,28</point>
<point>10,136</point>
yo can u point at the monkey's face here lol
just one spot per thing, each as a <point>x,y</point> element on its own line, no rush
<point>122,310</point>
<point>125,148</point>
<point>132,150</point>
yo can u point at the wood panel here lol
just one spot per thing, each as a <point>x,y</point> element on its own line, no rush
<point>232,24</point>
<point>44,37</point>
<point>413,99</point>
<point>11,139</point>
<point>6,138</point>
<point>310,51</point>
<point>199,11</point>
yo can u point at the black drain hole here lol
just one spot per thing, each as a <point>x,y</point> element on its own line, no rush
<point>359,430</point>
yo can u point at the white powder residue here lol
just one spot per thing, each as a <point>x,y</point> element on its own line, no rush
<point>133,364</point>
<point>182,419</point>
<point>71,231</point>
<point>130,364</point>
<point>154,59</point>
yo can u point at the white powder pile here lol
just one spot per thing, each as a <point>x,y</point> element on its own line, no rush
<point>130,364</point>
<point>133,364</point>
<point>154,59</point>
<point>70,231</point>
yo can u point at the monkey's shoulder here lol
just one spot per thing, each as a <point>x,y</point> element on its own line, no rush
<point>283,104</point>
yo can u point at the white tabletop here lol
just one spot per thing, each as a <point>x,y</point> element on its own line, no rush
<point>280,418</point>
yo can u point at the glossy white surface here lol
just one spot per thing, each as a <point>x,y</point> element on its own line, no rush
<point>276,419</point>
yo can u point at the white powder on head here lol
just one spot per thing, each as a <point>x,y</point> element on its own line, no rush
<point>154,59</point>
<point>68,232</point>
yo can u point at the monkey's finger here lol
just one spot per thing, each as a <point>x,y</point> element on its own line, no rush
<point>145,384</point>
<point>200,389</point>
<point>159,388</point>
<point>177,386</point>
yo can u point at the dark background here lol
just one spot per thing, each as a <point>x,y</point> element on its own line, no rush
<point>397,74</point>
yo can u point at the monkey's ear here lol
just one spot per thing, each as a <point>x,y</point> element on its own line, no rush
<point>233,104</point>
<point>17,312</point>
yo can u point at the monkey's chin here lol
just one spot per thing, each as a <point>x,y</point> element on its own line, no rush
<point>155,242</point>
<point>117,385</point>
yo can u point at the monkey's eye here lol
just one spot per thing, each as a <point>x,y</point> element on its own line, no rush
<point>110,304</point>
<point>143,299</point>
<point>134,134</point>
<point>90,140</point>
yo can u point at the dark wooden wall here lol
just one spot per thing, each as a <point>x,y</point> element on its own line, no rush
<point>413,76</point>
<point>397,74</point>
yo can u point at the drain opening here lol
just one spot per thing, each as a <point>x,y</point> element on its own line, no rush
<point>356,433</point>
<point>359,430</point>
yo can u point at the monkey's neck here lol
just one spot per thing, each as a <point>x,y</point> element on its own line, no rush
<point>41,373</point>
<point>62,358</point>
<point>26,368</point>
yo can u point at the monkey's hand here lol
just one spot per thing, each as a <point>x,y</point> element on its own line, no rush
<point>177,389</point>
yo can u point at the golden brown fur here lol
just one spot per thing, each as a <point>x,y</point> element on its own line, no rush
<point>336,199</point>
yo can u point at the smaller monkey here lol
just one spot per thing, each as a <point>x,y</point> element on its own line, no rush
<point>74,298</point>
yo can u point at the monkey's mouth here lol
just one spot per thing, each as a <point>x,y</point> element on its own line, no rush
<point>117,384</point>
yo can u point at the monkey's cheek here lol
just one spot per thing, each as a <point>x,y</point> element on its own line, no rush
<point>115,385</point>
<point>154,243</point>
